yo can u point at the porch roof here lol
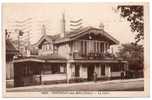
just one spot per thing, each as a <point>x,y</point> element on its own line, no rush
<point>44,58</point>
<point>60,59</point>
<point>97,61</point>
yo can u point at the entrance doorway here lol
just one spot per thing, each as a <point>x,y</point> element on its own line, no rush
<point>90,71</point>
<point>102,70</point>
<point>77,70</point>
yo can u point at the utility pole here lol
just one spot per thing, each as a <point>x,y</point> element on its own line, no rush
<point>28,45</point>
<point>23,26</point>
<point>43,30</point>
<point>18,42</point>
<point>19,33</point>
<point>63,25</point>
<point>63,16</point>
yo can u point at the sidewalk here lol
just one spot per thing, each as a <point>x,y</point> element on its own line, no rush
<point>74,84</point>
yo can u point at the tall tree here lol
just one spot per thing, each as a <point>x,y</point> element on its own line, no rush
<point>134,54</point>
<point>134,14</point>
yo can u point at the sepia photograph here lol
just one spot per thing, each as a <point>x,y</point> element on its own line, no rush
<point>75,49</point>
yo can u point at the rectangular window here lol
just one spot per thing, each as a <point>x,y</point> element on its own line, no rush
<point>89,46</point>
<point>85,47</point>
<point>44,47</point>
<point>99,44</point>
<point>94,46</point>
<point>101,47</point>
<point>82,49</point>
<point>97,47</point>
<point>55,69</point>
<point>62,69</point>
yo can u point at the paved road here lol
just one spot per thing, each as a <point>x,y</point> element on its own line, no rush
<point>115,85</point>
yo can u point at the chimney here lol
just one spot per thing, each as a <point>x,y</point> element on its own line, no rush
<point>43,30</point>
<point>101,26</point>
<point>7,34</point>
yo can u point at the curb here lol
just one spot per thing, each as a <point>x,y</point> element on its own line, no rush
<point>73,84</point>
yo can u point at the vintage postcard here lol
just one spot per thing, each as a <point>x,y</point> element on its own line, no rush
<point>75,49</point>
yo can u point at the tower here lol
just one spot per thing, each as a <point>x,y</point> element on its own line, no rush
<point>43,30</point>
<point>63,25</point>
<point>101,26</point>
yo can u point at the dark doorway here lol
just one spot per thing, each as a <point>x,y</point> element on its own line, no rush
<point>90,72</point>
<point>27,75</point>
<point>77,70</point>
<point>18,74</point>
<point>102,70</point>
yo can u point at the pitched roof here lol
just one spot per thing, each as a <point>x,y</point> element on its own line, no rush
<point>10,49</point>
<point>74,34</point>
<point>49,38</point>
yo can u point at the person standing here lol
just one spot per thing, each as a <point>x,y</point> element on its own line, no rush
<point>95,76</point>
<point>122,75</point>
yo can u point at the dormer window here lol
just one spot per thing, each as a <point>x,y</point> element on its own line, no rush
<point>46,47</point>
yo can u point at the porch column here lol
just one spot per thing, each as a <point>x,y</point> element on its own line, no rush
<point>100,70</point>
<point>41,73</point>
<point>68,72</point>
<point>126,66</point>
<point>107,71</point>
<point>97,70</point>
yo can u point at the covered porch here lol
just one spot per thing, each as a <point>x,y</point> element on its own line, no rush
<point>104,69</point>
<point>32,71</point>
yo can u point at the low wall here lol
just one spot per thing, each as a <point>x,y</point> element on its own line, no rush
<point>115,74</point>
<point>9,83</point>
<point>53,77</point>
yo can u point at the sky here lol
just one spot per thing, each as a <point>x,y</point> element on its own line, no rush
<point>51,15</point>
